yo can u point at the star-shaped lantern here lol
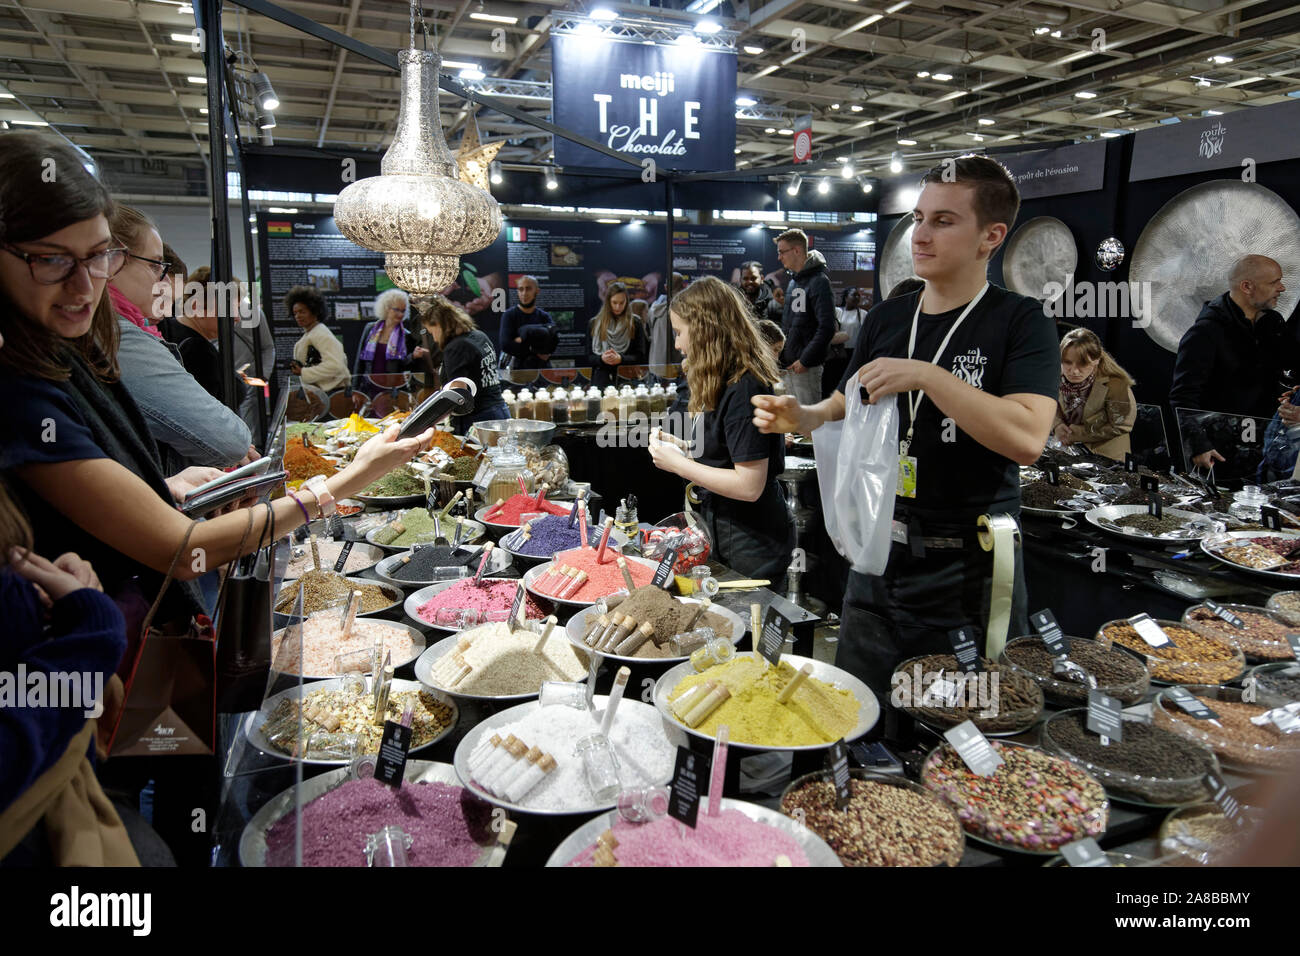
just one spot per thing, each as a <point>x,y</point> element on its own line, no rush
<point>473,158</point>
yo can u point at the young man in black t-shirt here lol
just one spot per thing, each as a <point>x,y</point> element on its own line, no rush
<point>978,368</point>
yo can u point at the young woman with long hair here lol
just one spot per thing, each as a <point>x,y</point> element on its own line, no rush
<point>727,362</point>
<point>617,336</point>
<point>467,352</point>
<point>1096,407</point>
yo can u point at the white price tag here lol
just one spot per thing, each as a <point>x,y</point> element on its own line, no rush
<point>1150,631</point>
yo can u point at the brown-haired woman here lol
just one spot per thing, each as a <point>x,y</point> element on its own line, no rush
<point>1096,408</point>
<point>466,353</point>
<point>727,362</point>
<point>617,336</point>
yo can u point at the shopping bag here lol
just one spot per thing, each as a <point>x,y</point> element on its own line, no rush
<point>244,625</point>
<point>865,468</point>
<point>170,692</point>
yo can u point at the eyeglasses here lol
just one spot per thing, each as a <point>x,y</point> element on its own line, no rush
<point>160,266</point>
<point>56,268</point>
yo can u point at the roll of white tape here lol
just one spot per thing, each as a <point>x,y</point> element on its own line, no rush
<point>998,533</point>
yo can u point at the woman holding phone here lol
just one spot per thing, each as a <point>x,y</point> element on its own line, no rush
<point>727,362</point>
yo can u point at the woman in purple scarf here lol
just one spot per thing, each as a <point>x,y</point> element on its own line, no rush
<point>385,355</point>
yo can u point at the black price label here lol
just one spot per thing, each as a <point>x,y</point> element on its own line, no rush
<point>664,572</point>
<point>1218,610</point>
<point>1105,716</point>
<point>1044,622</point>
<point>393,748</point>
<point>573,512</point>
<point>1130,463</point>
<point>1223,797</point>
<point>874,756</point>
<point>1053,472</point>
<point>1149,482</point>
<point>974,748</point>
<point>1294,641</point>
<point>432,503</point>
<point>837,759</point>
<point>343,558</point>
<point>1085,852</point>
<point>1271,518</point>
<point>965,648</point>
<point>691,768</point>
<point>1189,703</point>
<point>1154,508</point>
<point>516,604</point>
<point>775,631</point>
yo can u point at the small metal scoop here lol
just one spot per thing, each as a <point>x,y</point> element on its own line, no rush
<point>1064,667</point>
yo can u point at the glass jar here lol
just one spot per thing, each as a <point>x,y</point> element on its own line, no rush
<point>557,693</point>
<point>716,650</point>
<point>560,407</point>
<point>600,767</point>
<point>577,406</point>
<point>626,402</point>
<point>511,400</point>
<point>525,407</point>
<point>542,409</point>
<point>500,479</point>
<point>658,400</point>
<point>643,400</point>
<point>609,402</point>
<point>593,403</point>
<point>1247,502</point>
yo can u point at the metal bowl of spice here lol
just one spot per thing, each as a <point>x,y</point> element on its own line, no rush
<point>1281,680</point>
<point>492,594</point>
<point>397,489</point>
<point>1032,803</point>
<point>1261,635</point>
<point>429,564</point>
<point>829,704</point>
<point>448,831</point>
<point>361,557</point>
<point>419,528</point>
<point>323,589</point>
<point>501,662</point>
<point>889,821</point>
<point>548,535</point>
<point>722,840</point>
<point>1256,553</point>
<point>1071,496</point>
<point>998,700</point>
<point>1203,833</point>
<point>668,622</point>
<point>1194,656</point>
<point>323,642</point>
<point>1148,765</point>
<point>1135,523</point>
<point>609,581</point>
<point>333,711</point>
<point>1286,605</point>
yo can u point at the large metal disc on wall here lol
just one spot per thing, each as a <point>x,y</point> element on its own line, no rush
<point>1040,251</point>
<point>1188,248</point>
<point>895,262</point>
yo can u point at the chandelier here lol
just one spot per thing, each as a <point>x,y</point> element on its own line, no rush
<point>417,212</point>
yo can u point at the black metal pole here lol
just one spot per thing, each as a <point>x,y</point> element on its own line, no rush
<point>215,67</point>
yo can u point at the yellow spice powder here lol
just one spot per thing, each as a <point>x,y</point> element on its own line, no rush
<point>817,713</point>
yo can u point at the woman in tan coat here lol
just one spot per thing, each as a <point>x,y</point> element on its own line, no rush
<point>1095,408</point>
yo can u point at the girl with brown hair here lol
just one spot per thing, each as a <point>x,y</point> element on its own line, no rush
<point>727,363</point>
<point>1096,407</point>
<point>467,352</point>
<point>617,336</point>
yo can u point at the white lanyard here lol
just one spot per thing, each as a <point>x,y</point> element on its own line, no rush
<point>914,397</point>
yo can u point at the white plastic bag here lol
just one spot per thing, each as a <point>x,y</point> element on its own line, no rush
<point>857,461</point>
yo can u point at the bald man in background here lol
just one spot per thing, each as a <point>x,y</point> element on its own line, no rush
<point>1233,357</point>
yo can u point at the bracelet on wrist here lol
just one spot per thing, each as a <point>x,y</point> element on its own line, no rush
<point>301,506</point>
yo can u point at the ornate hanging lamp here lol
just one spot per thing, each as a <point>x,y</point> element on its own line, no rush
<point>418,212</point>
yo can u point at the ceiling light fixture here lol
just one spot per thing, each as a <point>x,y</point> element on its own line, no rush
<point>200,80</point>
<point>895,162</point>
<point>1086,95</point>
<point>472,74</point>
<point>785,132</point>
<point>495,171</point>
<point>847,170</point>
<point>1220,59</point>
<point>265,92</point>
<point>1039,31</point>
<point>745,100</point>
<point>283,210</point>
<point>551,181</point>
<point>795,182</point>
<point>1056,34</point>
<point>493,18</point>
<point>856,108</point>
<point>943,77</point>
<point>603,13</point>
<point>823,186</point>
<point>986,122</point>
<point>864,182</point>
<point>835,106</point>
<point>752,50</point>
<point>904,141</point>
<point>708,27</point>
<point>770,130</point>
<point>922,74</point>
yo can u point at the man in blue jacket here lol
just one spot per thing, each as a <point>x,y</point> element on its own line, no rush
<point>809,317</point>
<point>1231,361</point>
<point>528,333</point>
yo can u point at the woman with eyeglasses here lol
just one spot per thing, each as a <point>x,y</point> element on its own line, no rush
<point>74,446</point>
<point>192,426</point>
<point>387,350</point>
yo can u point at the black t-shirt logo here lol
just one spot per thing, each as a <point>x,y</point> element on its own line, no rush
<point>969,368</point>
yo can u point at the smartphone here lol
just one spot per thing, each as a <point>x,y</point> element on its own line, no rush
<point>198,506</point>
<point>457,397</point>
<point>258,467</point>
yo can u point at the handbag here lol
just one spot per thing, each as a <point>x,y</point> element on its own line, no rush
<point>243,657</point>
<point>167,707</point>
